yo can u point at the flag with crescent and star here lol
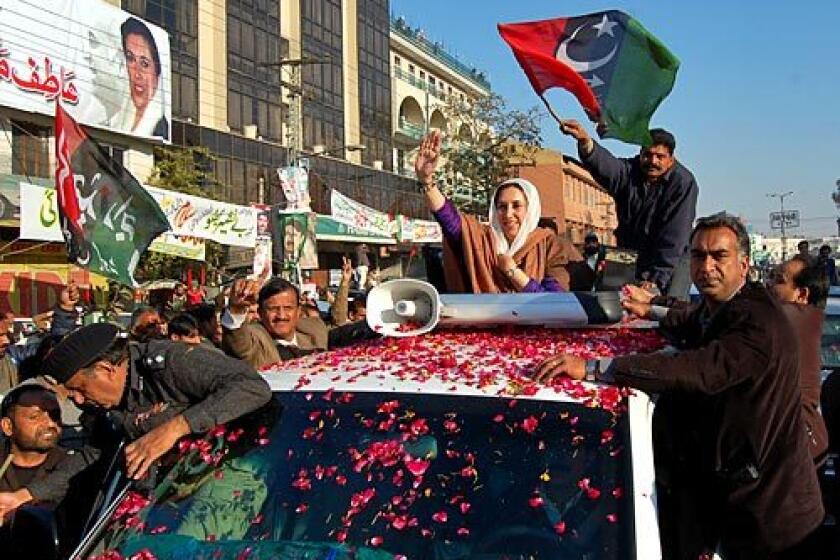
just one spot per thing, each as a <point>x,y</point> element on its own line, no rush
<point>616,69</point>
<point>107,218</point>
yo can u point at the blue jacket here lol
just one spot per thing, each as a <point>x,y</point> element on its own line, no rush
<point>654,220</point>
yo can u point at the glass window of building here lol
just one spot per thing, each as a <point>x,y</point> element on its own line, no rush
<point>397,61</point>
<point>323,87</point>
<point>374,81</point>
<point>254,49</point>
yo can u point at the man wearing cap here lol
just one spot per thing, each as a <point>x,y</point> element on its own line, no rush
<point>159,391</point>
<point>36,468</point>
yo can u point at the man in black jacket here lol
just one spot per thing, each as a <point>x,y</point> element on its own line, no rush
<point>655,199</point>
<point>732,461</point>
<point>158,391</point>
<point>36,467</point>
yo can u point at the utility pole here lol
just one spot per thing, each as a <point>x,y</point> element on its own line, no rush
<point>294,92</point>
<point>781,197</point>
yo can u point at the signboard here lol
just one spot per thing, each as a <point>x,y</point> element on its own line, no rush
<point>39,213</point>
<point>352,213</point>
<point>329,229</point>
<point>786,219</point>
<point>106,67</point>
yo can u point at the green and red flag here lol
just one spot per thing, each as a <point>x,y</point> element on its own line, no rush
<point>616,69</point>
<point>107,218</point>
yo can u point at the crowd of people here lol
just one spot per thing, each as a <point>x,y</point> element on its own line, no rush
<point>738,433</point>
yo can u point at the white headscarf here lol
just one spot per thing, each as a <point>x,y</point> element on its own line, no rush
<point>529,224</point>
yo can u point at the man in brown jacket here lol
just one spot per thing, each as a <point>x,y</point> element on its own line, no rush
<point>803,289</point>
<point>732,463</point>
<point>281,332</point>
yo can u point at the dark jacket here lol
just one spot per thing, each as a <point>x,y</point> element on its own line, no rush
<point>807,322</point>
<point>169,378</point>
<point>654,220</point>
<point>734,423</point>
<point>52,477</point>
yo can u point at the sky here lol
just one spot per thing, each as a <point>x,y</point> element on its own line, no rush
<point>756,104</point>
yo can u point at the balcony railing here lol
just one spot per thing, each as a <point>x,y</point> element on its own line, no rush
<point>436,50</point>
<point>410,78</point>
<point>410,129</point>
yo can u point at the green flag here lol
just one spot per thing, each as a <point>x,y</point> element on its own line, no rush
<point>107,218</point>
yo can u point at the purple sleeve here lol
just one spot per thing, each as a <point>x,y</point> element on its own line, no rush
<point>549,284</point>
<point>450,221</point>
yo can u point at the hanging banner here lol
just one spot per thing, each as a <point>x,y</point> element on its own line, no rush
<point>296,240</point>
<point>222,222</point>
<point>108,68</point>
<point>418,231</point>
<point>180,246</point>
<point>352,213</point>
<point>294,181</point>
<point>39,221</point>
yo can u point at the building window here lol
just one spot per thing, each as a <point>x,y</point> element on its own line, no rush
<point>373,30</point>
<point>323,84</point>
<point>254,47</point>
<point>397,61</point>
<point>30,149</point>
<point>411,69</point>
<point>422,76</point>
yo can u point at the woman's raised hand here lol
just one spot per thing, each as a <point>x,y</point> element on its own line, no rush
<point>427,156</point>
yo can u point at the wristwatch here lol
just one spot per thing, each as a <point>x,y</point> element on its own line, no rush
<point>593,368</point>
<point>424,187</point>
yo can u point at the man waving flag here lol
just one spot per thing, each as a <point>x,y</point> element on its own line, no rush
<point>107,218</point>
<point>617,70</point>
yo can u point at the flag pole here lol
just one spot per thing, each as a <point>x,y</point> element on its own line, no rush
<point>551,110</point>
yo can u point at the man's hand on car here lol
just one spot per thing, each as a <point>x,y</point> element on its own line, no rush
<point>141,453</point>
<point>636,300</point>
<point>570,366</point>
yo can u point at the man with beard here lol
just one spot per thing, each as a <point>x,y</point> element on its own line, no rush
<point>655,199</point>
<point>281,333</point>
<point>38,469</point>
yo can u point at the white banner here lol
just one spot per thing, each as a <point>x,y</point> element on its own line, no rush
<point>225,223</point>
<point>189,216</point>
<point>352,213</point>
<point>108,68</point>
<point>180,246</point>
<point>39,213</point>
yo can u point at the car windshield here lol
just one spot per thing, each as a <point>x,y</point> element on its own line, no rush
<point>338,475</point>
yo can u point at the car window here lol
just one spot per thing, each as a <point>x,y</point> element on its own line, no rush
<point>830,344</point>
<point>368,475</point>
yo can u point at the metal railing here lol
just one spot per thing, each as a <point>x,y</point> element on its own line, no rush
<point>436,50</point>
<point>410,129</point>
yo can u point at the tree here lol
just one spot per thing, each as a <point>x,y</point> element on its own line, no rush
<point>184,170</point>
<point>487,141</point>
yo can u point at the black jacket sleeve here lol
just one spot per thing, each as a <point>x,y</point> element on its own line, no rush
<point>610,172</point>
<point>222,388</point>
<point>63,321</point>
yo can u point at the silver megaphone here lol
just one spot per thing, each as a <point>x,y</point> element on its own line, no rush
<point>408,307</point>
